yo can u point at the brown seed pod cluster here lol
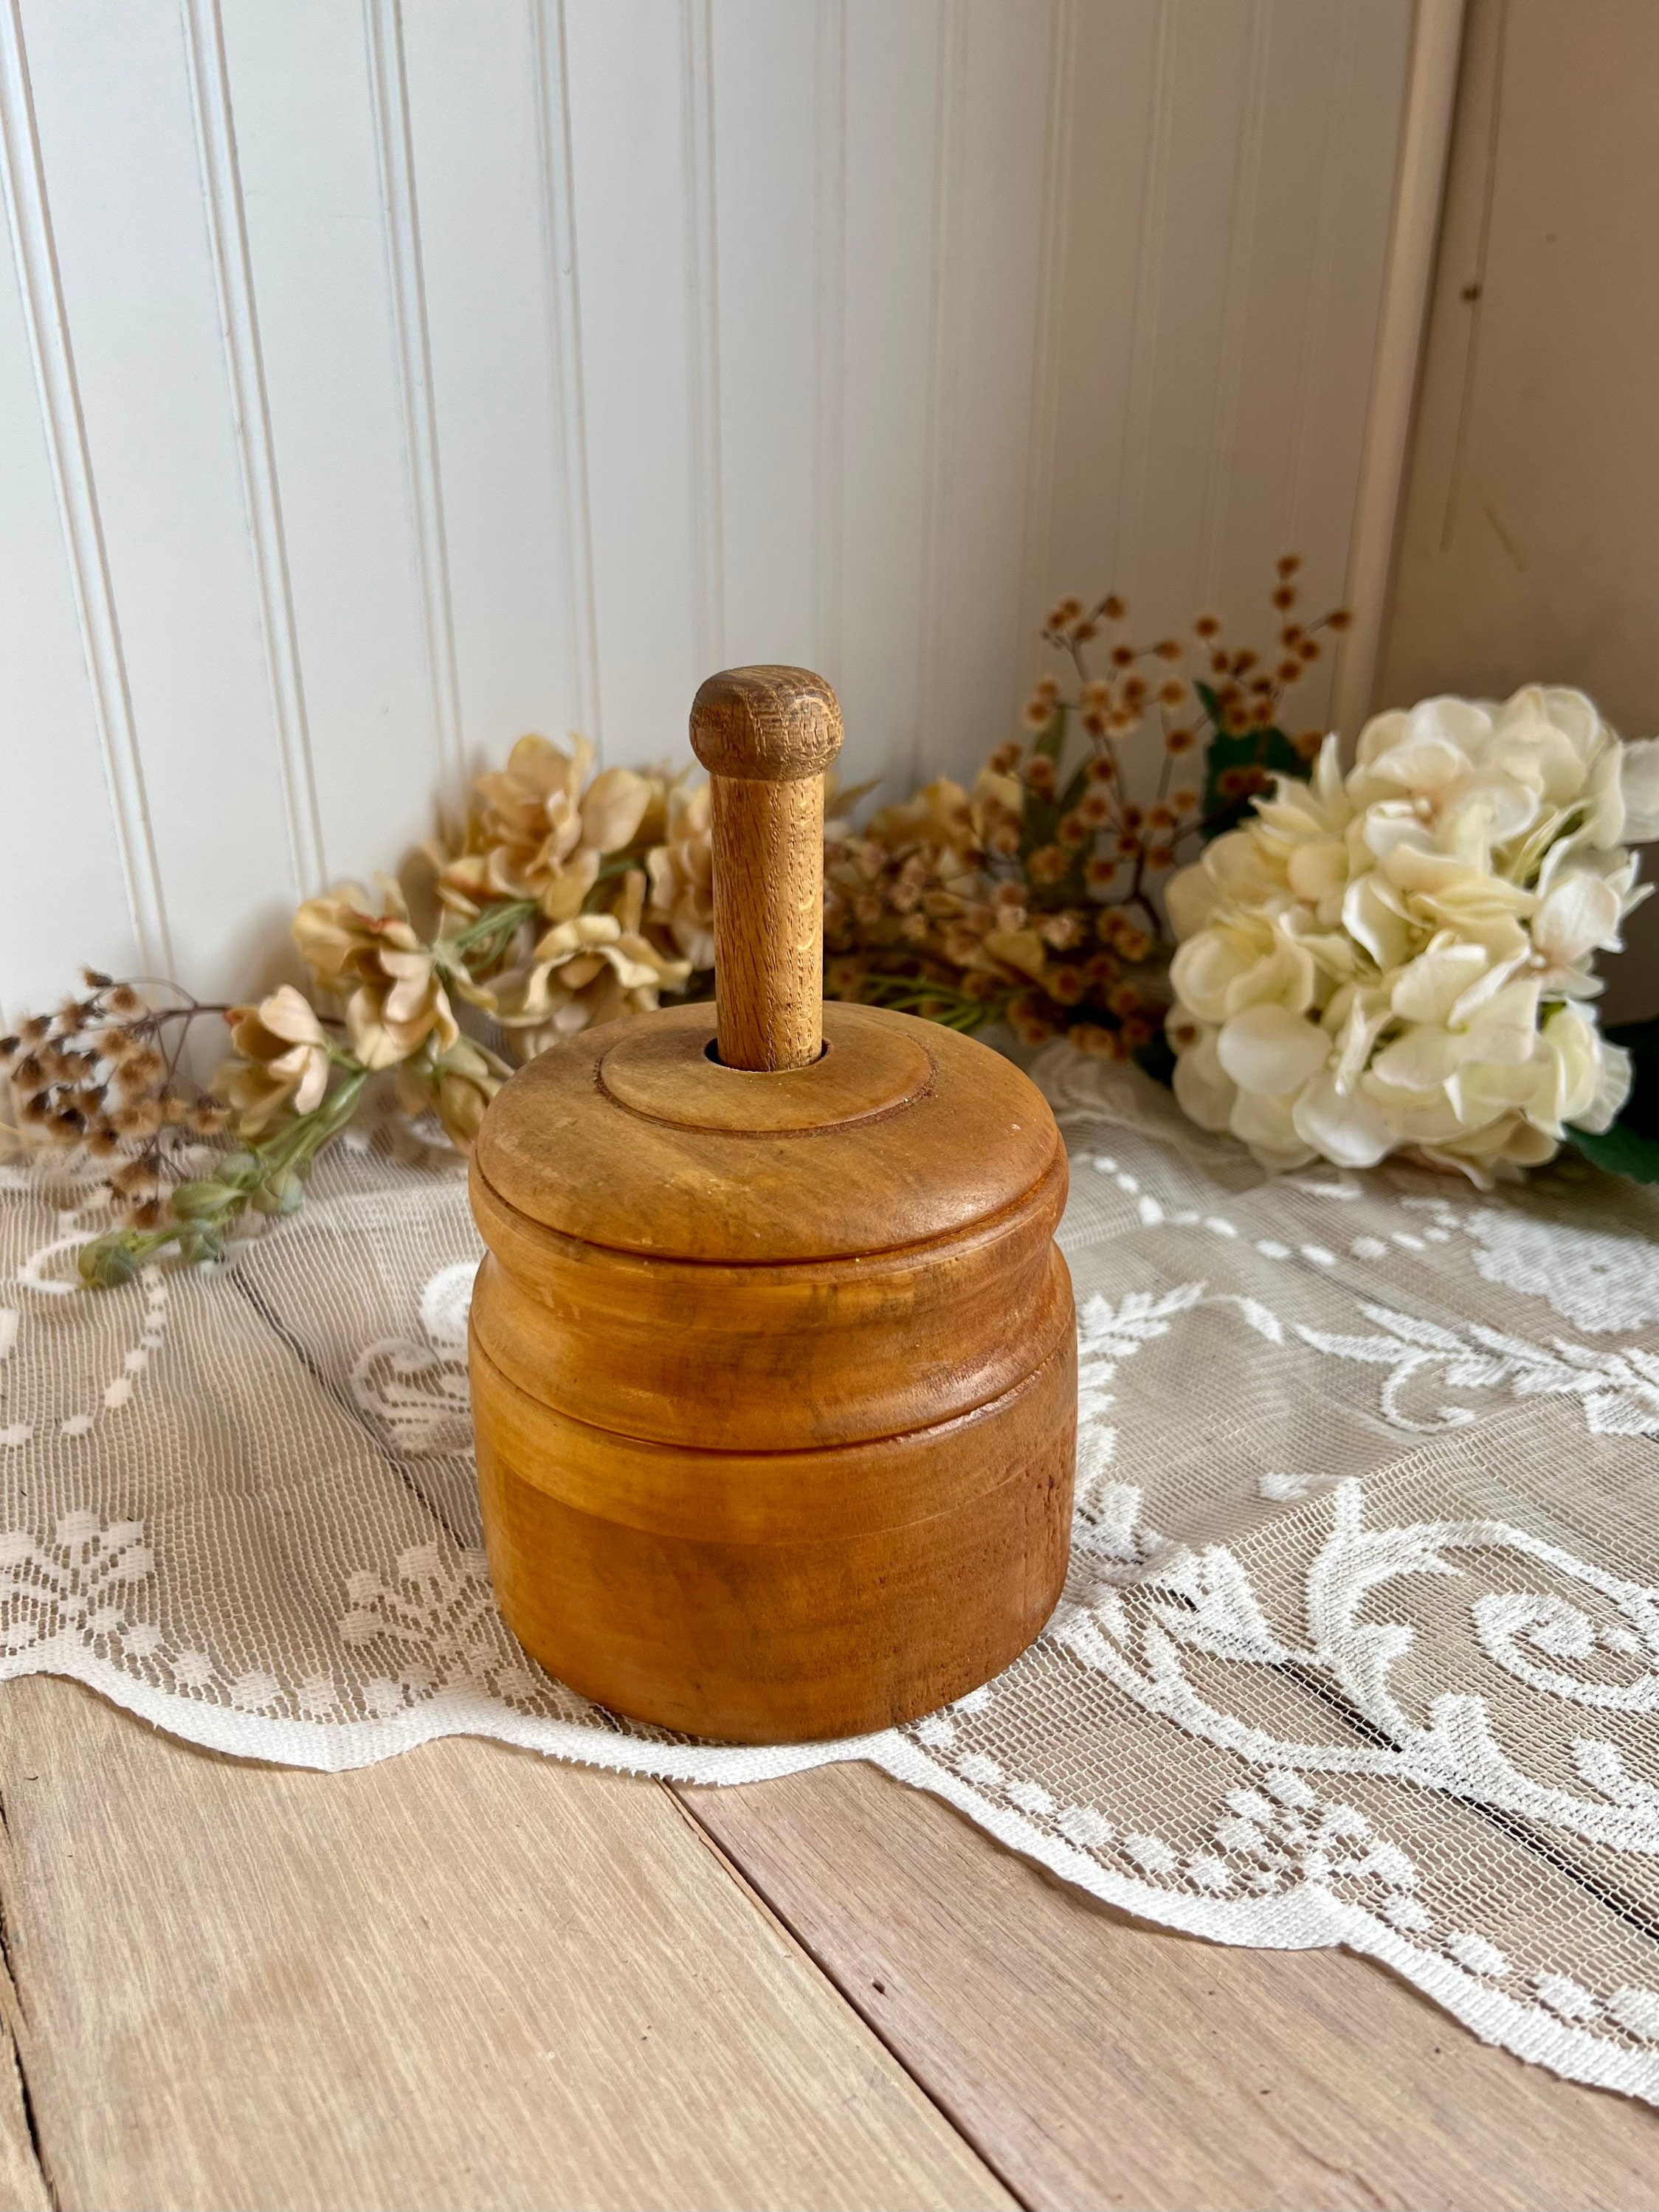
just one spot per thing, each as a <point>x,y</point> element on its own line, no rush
<point>102,1074</point>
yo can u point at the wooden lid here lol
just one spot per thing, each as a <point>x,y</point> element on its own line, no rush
<point>633,1136</point>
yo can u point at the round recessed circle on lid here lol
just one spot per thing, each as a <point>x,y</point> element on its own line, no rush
<point>666,1073</point>
<point>852,1155</point>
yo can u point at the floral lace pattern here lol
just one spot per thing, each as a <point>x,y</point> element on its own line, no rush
<point>1360,1644</point>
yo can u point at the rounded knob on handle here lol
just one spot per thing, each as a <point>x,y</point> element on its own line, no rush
<point>766,735</point>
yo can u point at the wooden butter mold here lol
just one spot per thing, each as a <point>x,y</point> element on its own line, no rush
<point>773,1355</point>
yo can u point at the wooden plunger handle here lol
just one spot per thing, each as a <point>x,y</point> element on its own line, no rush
<point>766,735</point>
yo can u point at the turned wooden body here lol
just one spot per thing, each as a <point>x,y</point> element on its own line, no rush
<point>773,1365</point>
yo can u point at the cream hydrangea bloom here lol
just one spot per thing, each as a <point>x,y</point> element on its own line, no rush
<point>1396,960</point>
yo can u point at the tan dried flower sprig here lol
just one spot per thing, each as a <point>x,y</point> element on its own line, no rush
<point>1036,898</point>
<point>538,921</point>
<point>104,1077</point>
<point>115,1087</point>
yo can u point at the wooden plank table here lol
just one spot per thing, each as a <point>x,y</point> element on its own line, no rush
<point>471,1977</point>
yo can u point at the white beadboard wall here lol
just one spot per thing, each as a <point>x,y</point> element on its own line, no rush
<point>380,381</point>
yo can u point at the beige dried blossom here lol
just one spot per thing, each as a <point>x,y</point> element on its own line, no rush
<point>937,821</point>
<point>593,967</point>
<point>1013,954</point>
<point>538,834</point>
<point>457,1084</point>
<point>682,875</point>
<point>282,1060</point>
<point>394,996</point>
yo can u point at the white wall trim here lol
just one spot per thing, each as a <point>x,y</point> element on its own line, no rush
<point>951,93</point>
<point>1042,451</point>
<point>830,335</point>
<point>1326,246</point>
<point>1236,297</point>
<point>1424,143</point>
<point>703,314</point>
<point>1125,560</point>
<point>238,322</point>
<point>389,98</point>
<point>34,252</point>
<point>565,344</point>
<point>523,337</point>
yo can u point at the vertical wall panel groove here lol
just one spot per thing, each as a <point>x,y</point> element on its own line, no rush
<point>943,339</point>
<point>1320,278</point>
<point>1125,558</point>
<point>1425,139</point>
<point>572,347</point>
<point>1235,316</point>
<point>221,200</point>
<point>389,86</point>
<point>52,355</point>
<point>1043,452</point>
<point>830,337</point>
<point>703,352</point>
<point>565,345</point>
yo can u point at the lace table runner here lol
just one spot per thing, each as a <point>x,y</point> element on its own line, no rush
<point>1361,1641</point>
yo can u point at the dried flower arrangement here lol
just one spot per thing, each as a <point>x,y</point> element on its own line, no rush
<point>1044,897</point>
<point>1036,896</point>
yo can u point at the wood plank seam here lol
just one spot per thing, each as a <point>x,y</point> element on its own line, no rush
<point>14,2020</point>
<point>251,1987</point>
<point>680,1794</point>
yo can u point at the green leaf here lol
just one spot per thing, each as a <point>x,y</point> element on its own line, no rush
<point>283,1194</point>
<point>1641,1041</point>
<point>1052,743</point>
<point>199,1241</point>
<point>1037,825</point>
<point>1630,1147</point>
<point>203,1201</point>
<point>1156,1058</point>
<point>108,1262</point>
<point>1073,791</point>
<point>1622,1151</point>
<point>1270,748</point>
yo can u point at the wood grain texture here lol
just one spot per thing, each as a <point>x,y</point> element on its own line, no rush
<point>24,2185</point>
<point>1096,2061</point>
<point>775,1597</point>
<point>765,724</point>
<point>773,1373</point>
<point>818,1182</point>
<point>768,920</point>
<point>462,1977</point>
<point>766,735</point>
<point>622,1343</point>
